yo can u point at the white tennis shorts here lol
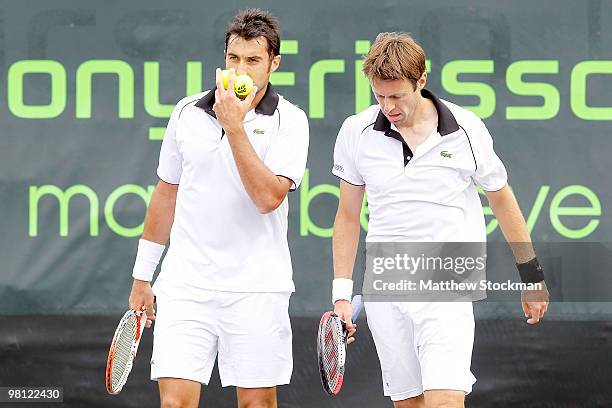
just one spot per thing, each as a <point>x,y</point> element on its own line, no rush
<point>423,346</point>
<point>250,332</point>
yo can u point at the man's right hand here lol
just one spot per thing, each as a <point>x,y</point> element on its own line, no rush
<point>142,295</point>
<point>344,310</point>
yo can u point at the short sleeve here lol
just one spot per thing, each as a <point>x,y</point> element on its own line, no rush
<point>490,172</point>
<point>288,153</point>
<point>345,153</point>
<point>170,158</point>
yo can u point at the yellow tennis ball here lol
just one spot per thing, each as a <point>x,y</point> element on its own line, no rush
<point>225,74</point>
<point>243,85</point>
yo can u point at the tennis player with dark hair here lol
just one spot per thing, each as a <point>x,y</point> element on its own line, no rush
<point>225,168</point>
<point>420,159</point>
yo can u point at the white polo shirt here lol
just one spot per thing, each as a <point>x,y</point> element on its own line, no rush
<point>219,239</point>
<point>426,195</point>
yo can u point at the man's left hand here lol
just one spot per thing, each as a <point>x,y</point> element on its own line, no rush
<point>535,303</point>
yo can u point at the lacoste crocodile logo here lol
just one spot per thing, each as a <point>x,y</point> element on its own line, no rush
<point>446,154</point>
<point>259,131</point>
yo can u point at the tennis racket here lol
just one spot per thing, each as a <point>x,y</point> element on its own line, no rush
<point>123,349</point>
<point>331,348</point>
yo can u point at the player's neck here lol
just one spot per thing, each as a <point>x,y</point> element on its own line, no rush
<point>423,116</point>
<point>259,97</point>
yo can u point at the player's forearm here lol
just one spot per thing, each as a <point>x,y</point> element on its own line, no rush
<point>160,214</point>
<point>158,222</point>
<point>512,223</point>
<point>344,244</point>
<point>263,186</point>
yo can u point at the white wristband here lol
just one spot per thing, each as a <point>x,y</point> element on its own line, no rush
<point>342,288</point>
<point>147,258</point>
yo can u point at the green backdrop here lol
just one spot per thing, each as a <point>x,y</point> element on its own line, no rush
<point>86,89</point>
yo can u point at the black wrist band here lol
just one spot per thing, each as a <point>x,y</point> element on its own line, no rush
<point>531,271</point>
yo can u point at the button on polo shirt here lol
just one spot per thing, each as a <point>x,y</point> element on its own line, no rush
<point>426,195</point>
<point>219,239</point>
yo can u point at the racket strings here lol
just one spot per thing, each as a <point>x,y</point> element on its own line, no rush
<point>333,359</point>
<point>123,351</point>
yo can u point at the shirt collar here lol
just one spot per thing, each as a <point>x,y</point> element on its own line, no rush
<point>447,123</point>
<point>267,105</point>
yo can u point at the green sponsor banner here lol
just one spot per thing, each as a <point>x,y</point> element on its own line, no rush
<point>86,90</point>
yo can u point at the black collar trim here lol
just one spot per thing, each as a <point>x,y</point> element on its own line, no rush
<point>447,123</point>
<point>266,106</point>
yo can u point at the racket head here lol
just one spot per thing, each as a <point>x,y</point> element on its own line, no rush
<point>123,349</point>
<point>331,351</point>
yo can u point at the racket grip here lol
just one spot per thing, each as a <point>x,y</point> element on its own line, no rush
<point>357,304</point>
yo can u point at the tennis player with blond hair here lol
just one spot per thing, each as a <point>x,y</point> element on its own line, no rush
<point>420,159</point>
